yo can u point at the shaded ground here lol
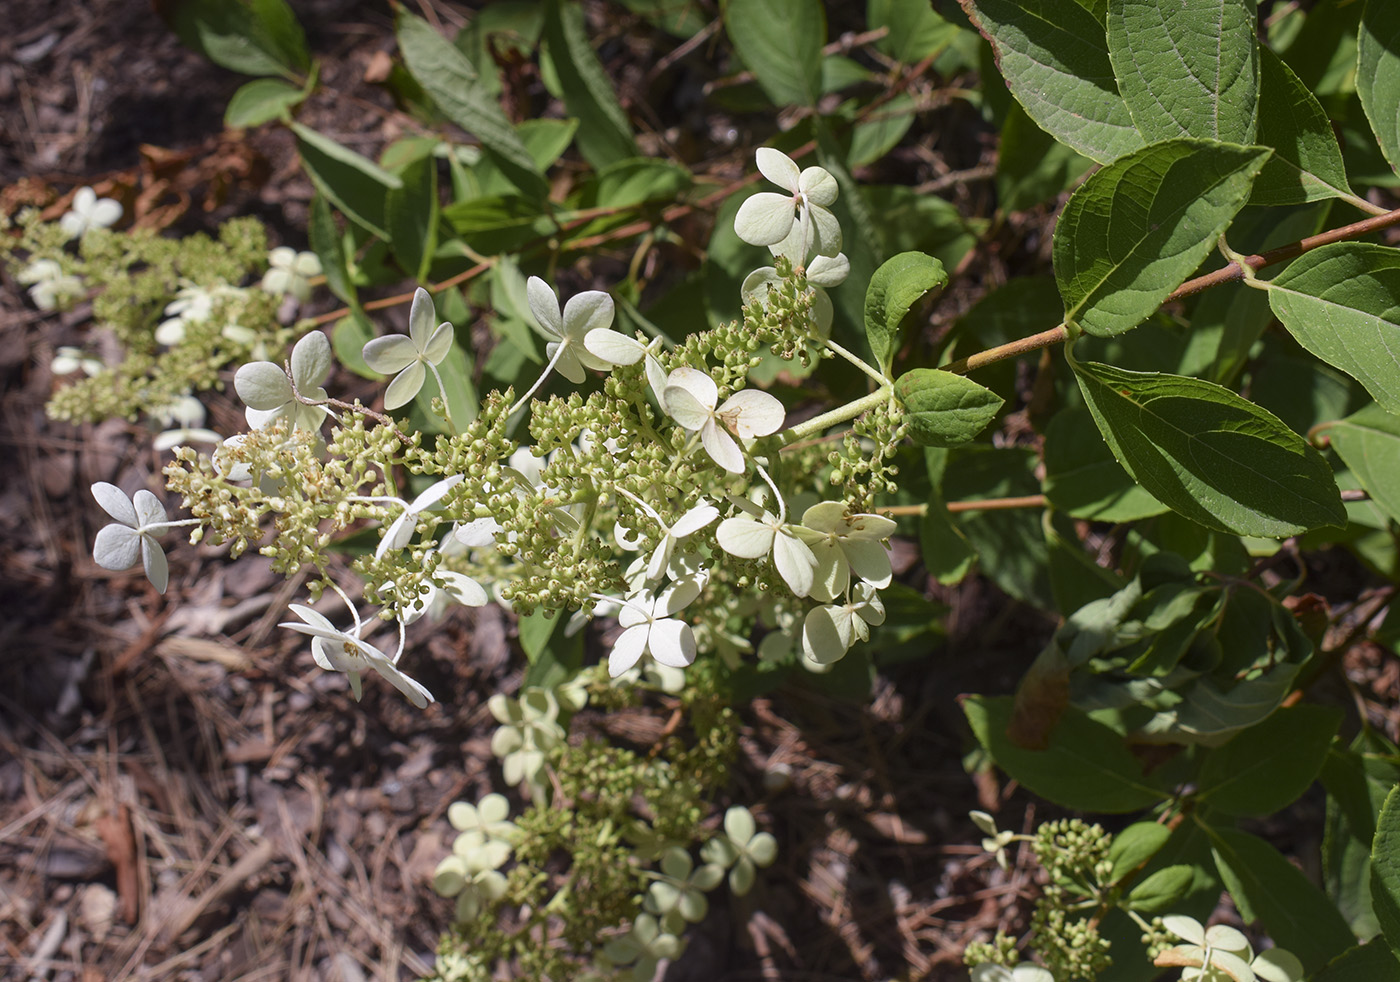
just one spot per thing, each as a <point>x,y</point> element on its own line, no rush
<point>183,795</point>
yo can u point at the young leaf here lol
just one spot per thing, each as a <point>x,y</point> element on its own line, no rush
<point>943,409</point>
<point>1268,888</point>
<point>1378,74</point>
<point>781,43</point>
<point>1307,162</point>
<point>604,134</point>
<point>1134,846</point>
<point>1054,57</point>
<point>1086,766</point>
<point>1210,455</point>
<point>261,37</point>
<point>1385,870</point>
<point>355,184</point>
<point>447,76</point>
<point>1161,890</point>
<point>1368,442</point>
<point>1136,229</point>
<point>411,214</point>
<point>894,288</point>
<point>1265,768</point>
<point>1189,68</point>
<point>1339,301</point>
<point>261,101</point>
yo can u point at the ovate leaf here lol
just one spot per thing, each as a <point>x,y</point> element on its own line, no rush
<point>1307,162</point>
<point>915,30</point>
<point>255,37</point>
<point>446,75</point>
<point>1265,768</point>
<point>354,183</point>
<point>261,101</point>
<point>1086,765</point>
<point>604,134</point>
<point>943,409</point>
<point>1368,442</point>
<point>1378,74</point>
<point>1268,888</point>
<point>1385,870</point>
<point>411,214</point>
<point>1342,303</point>
<point>1162,890</point>
<point>1210,455</point>
<point>1136,229</point>
<point>1187,68</point>
<point>325,242</point>
<point>894,288</point>
<point>1054,57</point>
<point>781,43</point>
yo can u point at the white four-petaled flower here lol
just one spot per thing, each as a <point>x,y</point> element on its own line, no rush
<point>423,345</point>
<point>690,396</point>
<point>794,222</point>
<point>587,311</point>
<point>401,530</point>
<point>89,211</point>
<point>831,630</point>
<point>650,626</point>
<point>49,286</point>
<point>268,392</point>
<point>290,271</point>
<point>344,651</point>
<point>688,524</point>
<point>133,535</point>
<point>759,532</point>
<point>842,544</point>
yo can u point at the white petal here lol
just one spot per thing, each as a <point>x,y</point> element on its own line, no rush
<point>694,520</point>
<point>795,562</point>
<point>153,557</point>
<point>84,200</point>
<point>764,219</point>
<point>436,492</point>
<point>745,538</point>
<point>149,510</point>
<point>104,213</point>
<point>682,406</point>
<point>822,639</point>
<point>282,257</point>
<point>170,332</point>
<point>757,284</point>
<point>660,557</point>
<point>794,245</point>
<point>672,643</point>
<point>819,186</point>
<point>420,319</point>
<point>758,413</point>
<point>116,547</point>
<point>478,533</point>
<point>613,347</point>
<point>656,375</point>
<point>828,231</point>
<point>116,504</point>
<point>405,386</point>
<point>697,383</point>
<point>588,311</point>
<point>73,224</point>
<point>463,589</point>
<point>1186,928</point>
<point>262,386</point>
<point>311,361</point>
<point>1225,937</point>
<point>306,264</point>
<point>826,516</point>
<point>416,694</point>
<point>872,527</point>
<point>832,575</point>
<point>397,535</point>
<point>568,364</point>
<point>721,447</point>
<point>439,344</point>
<point>778,167</point>
<point>260,419</point>
<point>828,271</point>
<point>678,596</point>
<point>545,306</point>
<point>390,354</point>
<point>627,650</point>
<point>869,560</point>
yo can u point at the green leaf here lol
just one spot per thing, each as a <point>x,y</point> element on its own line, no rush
<point>1161,890</point>
<point>1054,57</point>
<point>781,43</point>
<point>1370,962</point>
<point>451,80</point>
<point>1378,74</point>
<point>1385,870</point>
<point>915,30</point>
<point>1032,166</point>
<point>1307,162</point>
<point>411,214</point>
<point>1083,479</point>
<point>1210,455</point>
<point>255,37</point>
<point>1369,443</point>
<point>1134,846</point>
<point>1265,768</point>
<point>1342,303</point>
<point>1136,229</point>
<point>1010,542</point>
<point>354,184</point>
<point>1268,888</point>
<point>628,183</point>
<point>493,225</point>
<point>348,340</point>
<point>1086,766</point>
<point>325,242</point>
<point>261,101</point>
<point>1187,68</point>
<point>894,288</point>
<point>604,134</point>
<point>943,409</point>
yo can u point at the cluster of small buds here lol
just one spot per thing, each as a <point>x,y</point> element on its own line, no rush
<point>1001,951</point>
<point>1070,944</point>
<point>1073,851</point>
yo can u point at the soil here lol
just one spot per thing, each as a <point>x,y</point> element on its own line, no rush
<point>183,795</point>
